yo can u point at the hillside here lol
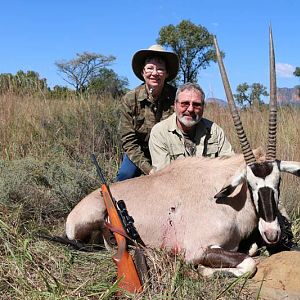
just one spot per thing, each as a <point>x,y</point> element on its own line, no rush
<point>217,100</point>
<point>288,95</point>
<point>284,96</point>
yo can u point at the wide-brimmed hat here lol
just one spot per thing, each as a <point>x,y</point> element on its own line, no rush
<point>171,59</point>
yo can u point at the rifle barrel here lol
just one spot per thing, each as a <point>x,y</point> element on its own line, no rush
<point>98,169</point>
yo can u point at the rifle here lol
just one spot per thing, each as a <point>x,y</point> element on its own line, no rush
<point>127,273</point>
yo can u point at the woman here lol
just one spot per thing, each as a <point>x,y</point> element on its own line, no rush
<point>144,106</point>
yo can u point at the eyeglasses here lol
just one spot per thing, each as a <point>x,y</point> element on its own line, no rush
<point>186,104</point>
<point>150,70</point>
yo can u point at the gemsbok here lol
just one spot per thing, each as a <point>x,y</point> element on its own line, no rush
<point>199,206</point>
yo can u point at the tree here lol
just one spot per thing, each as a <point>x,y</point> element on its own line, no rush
<point>257,91</point>
<point>250,95</point>
<point>194,46</point>
<point>30,81</point>
<point>6,81</point>
<point>297,72</point>
<point>23,83</point>
<point>60,92</point>
<point>107,81</point>
<point>82,69</point>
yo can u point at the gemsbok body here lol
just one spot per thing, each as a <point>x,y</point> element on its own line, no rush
<point>199,206</point>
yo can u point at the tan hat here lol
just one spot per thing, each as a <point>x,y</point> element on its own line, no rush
<point>171,59</point>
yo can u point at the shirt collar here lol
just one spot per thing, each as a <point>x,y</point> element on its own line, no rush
<point>142,93</point>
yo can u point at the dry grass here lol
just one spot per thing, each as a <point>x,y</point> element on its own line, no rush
<point>255,123</point>
<point>69,130</point>
<point>45,168</point>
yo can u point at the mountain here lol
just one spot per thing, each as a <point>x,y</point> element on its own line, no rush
<point>217,101</point>
<point>288,96</point>
<point>284,96</point>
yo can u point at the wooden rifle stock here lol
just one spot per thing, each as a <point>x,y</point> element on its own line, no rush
<point>126,270</point>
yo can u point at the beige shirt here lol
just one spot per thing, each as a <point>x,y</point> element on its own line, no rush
<point>166,141</point>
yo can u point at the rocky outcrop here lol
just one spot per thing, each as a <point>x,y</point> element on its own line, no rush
<point>216,101</point>
<point>278,277</point>
<point>284,96</point>
<point>288,95</point>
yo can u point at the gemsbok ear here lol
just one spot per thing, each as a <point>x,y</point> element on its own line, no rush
<point>233,182</point>
<point>291,167</point>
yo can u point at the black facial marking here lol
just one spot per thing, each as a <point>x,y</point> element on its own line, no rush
<point>262,170</point>
<point>225,192</point>
<point>278,188</point>
<point>267,208</point>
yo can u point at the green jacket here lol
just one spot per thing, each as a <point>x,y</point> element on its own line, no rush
<point>138,115</point>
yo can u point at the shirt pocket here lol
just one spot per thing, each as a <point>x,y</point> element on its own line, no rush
<point>176,151</point>
<point>212,150</point>
<point>139,121</point>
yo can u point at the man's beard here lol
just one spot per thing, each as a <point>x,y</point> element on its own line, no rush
<point>188,122</point>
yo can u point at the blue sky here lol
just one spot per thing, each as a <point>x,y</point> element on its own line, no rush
<point>35,34</point>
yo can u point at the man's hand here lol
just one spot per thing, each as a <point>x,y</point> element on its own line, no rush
<point>152,171</point>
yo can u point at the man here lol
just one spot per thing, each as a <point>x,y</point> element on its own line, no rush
<point>186,133</point>
<point>144,106</point>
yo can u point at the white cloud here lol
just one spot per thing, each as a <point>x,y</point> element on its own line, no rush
<point>285,70</point>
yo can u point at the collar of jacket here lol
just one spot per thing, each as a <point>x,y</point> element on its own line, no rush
<point>142,94</point>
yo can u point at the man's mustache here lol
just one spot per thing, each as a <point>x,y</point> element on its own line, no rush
<point>194,116</point>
